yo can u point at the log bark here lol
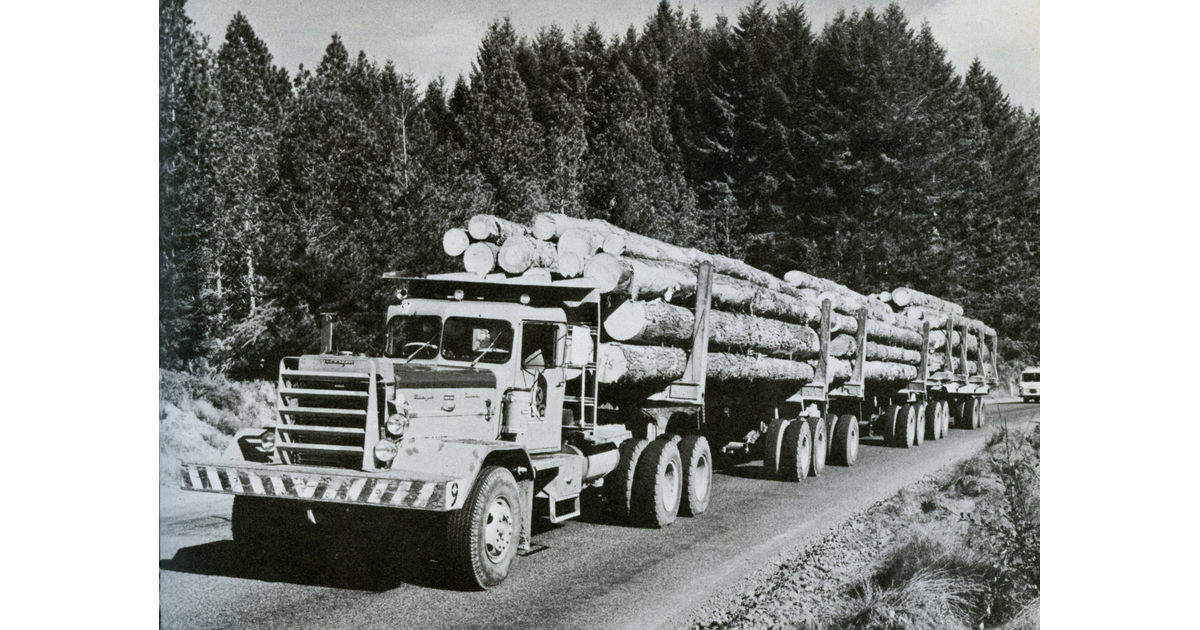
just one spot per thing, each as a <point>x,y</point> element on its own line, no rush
<point>887,334</point>
<point>480,257</point>
<point>485,227</point>
<point>881,352</point>
<point>455,242</point>
<point>519,253</point>
<point>623,364</point>
<point>648,280</point>
<point>904,296</point>
<point>874,372</point>
<point>659,323</point>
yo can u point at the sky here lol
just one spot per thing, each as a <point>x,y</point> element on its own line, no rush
<point>426,38</point>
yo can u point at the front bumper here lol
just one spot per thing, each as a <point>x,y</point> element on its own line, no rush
<point>313,484</point>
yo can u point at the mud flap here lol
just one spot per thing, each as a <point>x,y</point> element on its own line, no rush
<point>526,539</point>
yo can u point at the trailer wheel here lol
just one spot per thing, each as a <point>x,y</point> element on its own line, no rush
<point>772,446</point>
<point>618,486</point>
<point>820,445</point>
<point>657,485</point>
<point>946,418</point>
<point>958,411</point>
<point>919,432</point>
<point>933,422</point>
<point>968,420</point>
<point>797,452</point>
<point>982,413</point>
<point>906,426</point>
<point>482,536</point>
<point>844,449</point>
<point>890,419</point>
<point>696,456</point>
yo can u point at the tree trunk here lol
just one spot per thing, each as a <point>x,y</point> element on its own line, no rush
<point>843,346</point>
<point>659,323</point>
<point>485,227</point>
<point>904,296</point>
<point>648,280</point>
<point>631,365</point>
<point>881,352</point>
<point>480,257</point>
<point>892,335</point>
<point>519,253</point>
<point>581,243</point>
<point>569,265</point>
<point>455,241</point>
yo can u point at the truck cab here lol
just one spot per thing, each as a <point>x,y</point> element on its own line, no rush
<point>483,403</point>
<point>1031,384</point>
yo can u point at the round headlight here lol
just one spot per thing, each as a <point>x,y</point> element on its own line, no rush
<point>268,440</point>
<point>397,424</point>
<point>386,450</point>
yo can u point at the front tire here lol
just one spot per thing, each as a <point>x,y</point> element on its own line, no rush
<point>482,536</point>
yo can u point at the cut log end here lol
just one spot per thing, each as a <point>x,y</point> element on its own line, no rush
<point>606,270</point>
<point>613,244</point>
<point>455,242</point>
<point>569,265</point>
<point>480,257</point>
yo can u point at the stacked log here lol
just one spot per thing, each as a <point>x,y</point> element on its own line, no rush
<point>762,329</point>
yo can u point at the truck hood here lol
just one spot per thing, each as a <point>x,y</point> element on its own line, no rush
<point>443,377</point>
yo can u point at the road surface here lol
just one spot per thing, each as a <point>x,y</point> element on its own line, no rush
<point>585,573</point>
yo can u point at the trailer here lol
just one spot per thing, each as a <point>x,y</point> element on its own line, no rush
<point>488,406</point>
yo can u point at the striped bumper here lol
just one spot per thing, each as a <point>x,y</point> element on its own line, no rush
<point>312,486</point>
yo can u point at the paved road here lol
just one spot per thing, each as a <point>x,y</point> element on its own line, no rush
<point>582,574</point>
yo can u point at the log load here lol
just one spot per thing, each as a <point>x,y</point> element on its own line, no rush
<point>845,347</point>
<point>659,323</point>
<point>519,253</point>
<point>455,242</point>
<point>904,296</point>
<point>480,257</point>
<point>649,280</point>
<point>621,364</point>
<point>485,227</point>
<point>874,372</point>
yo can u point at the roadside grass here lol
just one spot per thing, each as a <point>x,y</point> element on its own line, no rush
<point>938,575</point>
<point>199,412</point>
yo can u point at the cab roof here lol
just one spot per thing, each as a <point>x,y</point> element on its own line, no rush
<point>541,291</point>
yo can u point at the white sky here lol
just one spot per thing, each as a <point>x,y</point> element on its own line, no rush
<point>430,37</point>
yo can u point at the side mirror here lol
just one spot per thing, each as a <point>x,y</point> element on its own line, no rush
<point>580,351</point>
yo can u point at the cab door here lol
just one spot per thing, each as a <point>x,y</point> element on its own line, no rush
<point>542,373</point>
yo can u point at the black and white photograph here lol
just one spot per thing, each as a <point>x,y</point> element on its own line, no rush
<point>637,314</point>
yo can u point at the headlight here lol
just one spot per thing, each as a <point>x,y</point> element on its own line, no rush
<point>386,450</point>
<point>397,424</point>
<point>268,440</point>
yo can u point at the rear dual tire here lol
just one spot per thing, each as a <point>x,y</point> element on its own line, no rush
<point>657,485</point>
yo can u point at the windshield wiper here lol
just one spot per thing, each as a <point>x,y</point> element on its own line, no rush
<point>423,346</point>
<point>489,348</point>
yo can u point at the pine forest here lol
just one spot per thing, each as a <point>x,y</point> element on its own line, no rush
<point>853,151</point>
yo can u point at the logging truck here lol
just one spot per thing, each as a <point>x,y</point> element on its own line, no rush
<point>497,398</point>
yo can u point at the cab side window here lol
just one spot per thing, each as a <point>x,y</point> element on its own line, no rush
<point>539,343</point>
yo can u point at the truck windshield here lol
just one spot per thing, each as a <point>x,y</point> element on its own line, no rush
<point>473,339</point>
<point>417,336</point>
<point>1031,377</point>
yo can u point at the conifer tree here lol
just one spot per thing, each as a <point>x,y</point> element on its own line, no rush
<point>185,101</point>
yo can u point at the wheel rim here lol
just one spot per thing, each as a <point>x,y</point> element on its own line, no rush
<point>701,478</point>
<point>853,433</point>
<point>671,486</point>
<point>498,529</point>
